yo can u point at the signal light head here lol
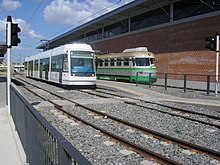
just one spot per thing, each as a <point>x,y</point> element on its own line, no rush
<point>15,29</point>
<point>212,43</point>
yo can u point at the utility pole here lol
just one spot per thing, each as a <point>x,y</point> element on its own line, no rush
<point>217,63</point>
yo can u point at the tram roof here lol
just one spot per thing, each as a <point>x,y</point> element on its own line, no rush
<point>61,50</point>
<point>131,9</point>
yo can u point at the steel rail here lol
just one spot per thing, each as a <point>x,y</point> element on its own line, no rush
<point>159,158</point>
<point>168,106</point>
<point>164,111</point>
<point>138,148</point>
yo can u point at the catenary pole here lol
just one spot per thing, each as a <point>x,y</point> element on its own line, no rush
<point>217,63</point>
<point>8,31</point>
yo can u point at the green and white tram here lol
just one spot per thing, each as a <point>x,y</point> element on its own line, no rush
<point>136,64</point>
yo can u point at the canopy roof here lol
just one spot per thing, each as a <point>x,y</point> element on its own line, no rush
<point>131,9</point>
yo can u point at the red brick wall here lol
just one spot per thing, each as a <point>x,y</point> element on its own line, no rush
<point>178,48</point>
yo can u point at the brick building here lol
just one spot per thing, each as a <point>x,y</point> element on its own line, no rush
<point>174,30</point>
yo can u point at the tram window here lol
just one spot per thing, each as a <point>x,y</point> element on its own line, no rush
<point>80,62</point>
<point>142,62</point>
<point>118,62</point>
<point>100,62</point>
<point>126,62</point>
<point>65,63</point>
<point>30,68</point>
<point>46,64</point>
<point>36,65</point>
<point>41,65</point>
<point>106,62</point>
<point>25,66</point>
<point>133,61</point>
<point>152,61</point>
<point>112,62</point>
<point>55,64</point>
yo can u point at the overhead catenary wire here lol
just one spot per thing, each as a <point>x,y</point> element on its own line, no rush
<point>65,29</point>
<point>86,18</point>
<point>34,13</point>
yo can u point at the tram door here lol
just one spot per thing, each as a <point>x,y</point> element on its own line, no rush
<point>46,67</point>
<point>30,68</point>
<point>41,68</point>
<point>28,71</point>
<point>60,68</point>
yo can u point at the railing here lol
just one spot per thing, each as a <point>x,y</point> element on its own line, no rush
<point>185,81</point>
<point>42,143</point>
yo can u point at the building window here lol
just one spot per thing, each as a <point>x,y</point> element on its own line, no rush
<point>189,8</point>
<point>151,18</point>
<point>79,39</point>
<point>116,28</point>
<point>94,35</point>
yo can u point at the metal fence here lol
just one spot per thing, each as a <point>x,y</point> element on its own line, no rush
<point>42,143</point>
<point>185,81</point>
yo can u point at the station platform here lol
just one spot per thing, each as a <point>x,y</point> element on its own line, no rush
<point>159,93</point>
<point>11,152</point>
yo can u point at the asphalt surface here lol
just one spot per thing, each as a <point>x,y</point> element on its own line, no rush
<point>159,93</point>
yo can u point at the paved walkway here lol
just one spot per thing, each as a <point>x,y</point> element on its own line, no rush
<point>11,152</point>
<point>158,93</point>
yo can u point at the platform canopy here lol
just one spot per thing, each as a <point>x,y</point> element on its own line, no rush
<point>3,49</point>
<point>121,13</point>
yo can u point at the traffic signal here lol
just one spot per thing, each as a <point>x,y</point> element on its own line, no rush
<point>14,34</point>
<point>212,43</point>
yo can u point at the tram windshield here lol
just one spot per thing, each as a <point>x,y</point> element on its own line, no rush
<point>144,61</point>
<point>82,63</point>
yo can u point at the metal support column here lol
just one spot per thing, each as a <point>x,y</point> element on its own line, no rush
<point>217,63</point>
<point>8,32</point>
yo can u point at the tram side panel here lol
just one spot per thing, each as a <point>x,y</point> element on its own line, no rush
<point>127,66</point>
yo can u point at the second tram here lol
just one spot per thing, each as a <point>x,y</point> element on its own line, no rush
<point>134,65</point>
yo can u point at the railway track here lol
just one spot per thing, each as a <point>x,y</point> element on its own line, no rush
<point>119,139</point>
<point>134,127</point>
<point>209,119</point>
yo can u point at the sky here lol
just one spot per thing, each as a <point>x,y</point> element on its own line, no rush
<point>47,19</point>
